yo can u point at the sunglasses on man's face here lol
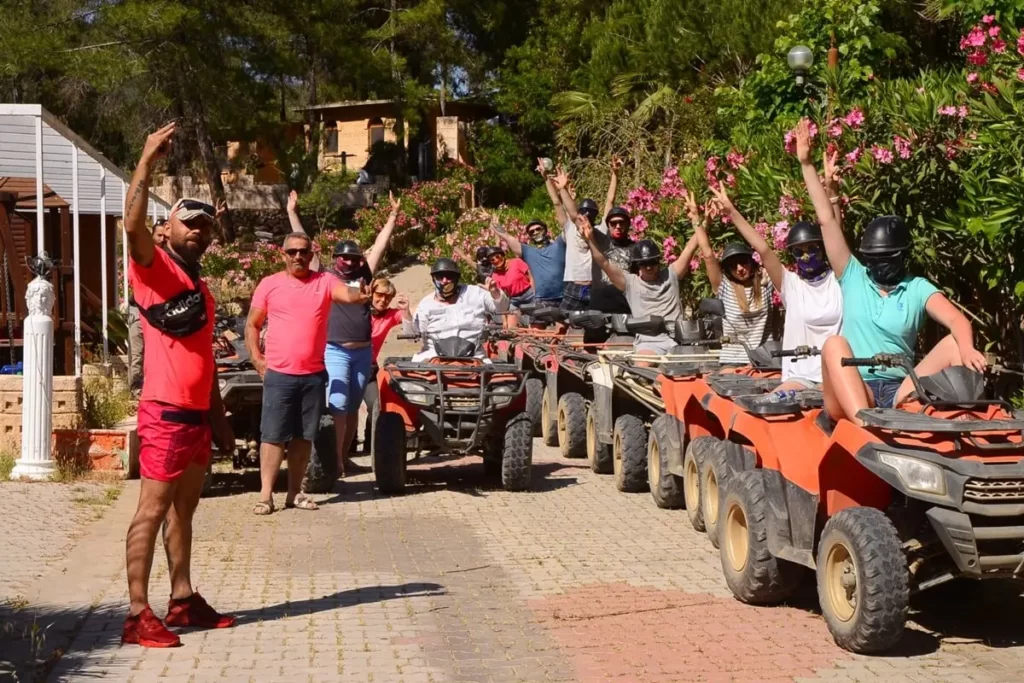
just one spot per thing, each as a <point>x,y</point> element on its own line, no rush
<point>351,259</point>
<point>295,251</point>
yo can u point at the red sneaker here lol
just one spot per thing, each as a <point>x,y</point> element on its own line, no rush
<point>196,612</point>
<point>147,630</point>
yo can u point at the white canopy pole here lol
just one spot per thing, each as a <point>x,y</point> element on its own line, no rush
<point>76,260</point>
<point>103,259</point>
<point>124,245</point>
<point>40,210</point>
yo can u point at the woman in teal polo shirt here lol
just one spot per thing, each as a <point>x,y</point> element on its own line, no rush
<point>883,309</point>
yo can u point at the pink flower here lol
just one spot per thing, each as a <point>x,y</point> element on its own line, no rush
<point>990,88</point>
<point>1020,43</point>
<point>988,18</point>
<point>962,111</point>
<point>788,206</point>
<point>972,77</point>
<point>694,264</point>
<point>835,128</point>
<point>761,228</point>
<point>976,38</point>
<point>920,91</point>
<point>881,154</point>
<point>780,233</point>
<point>730,180</point>
<point>776,299</point>
<point>948,110</point>
<point>789,142</point>
<point>711,165</point>
<point>855,118</point>
<point>1020,74</point>
<point>977,58</point>
<point>757,258</point>
<point>854,156</point>
<point>640,223</point>
<point>994,31</point>
<point>902,147</point>
<point>999,46</point>
<point>735,159</point>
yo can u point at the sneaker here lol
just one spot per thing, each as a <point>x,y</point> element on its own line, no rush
<point>147,630</point>
<point>195,611</point>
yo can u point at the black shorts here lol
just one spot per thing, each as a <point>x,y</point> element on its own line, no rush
<point>292,406</point>
<point>576,297</point>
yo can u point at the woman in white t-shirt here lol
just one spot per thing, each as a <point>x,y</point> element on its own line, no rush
<point>744,291</point>
<point>811,295</point>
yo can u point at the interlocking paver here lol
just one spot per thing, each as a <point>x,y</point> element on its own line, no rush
<point>458,580</point>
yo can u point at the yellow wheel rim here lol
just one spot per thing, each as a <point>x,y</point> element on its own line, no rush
<point>563,432</point>
<point>737,538</point>
<point>691,484</point>
<point>654,465</point>
<point>617,453</point>
<point>591,436</point>
<point>711,497</point>
<point>841,582</point>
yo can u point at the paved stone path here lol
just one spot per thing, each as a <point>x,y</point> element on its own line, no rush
<point>460,581</point>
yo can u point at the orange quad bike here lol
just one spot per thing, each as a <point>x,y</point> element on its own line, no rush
<point>922,494</point>
<point>453,404</point>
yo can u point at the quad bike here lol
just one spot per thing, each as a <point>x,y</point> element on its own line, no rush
<point>454,403</point>
<point>921,494</point>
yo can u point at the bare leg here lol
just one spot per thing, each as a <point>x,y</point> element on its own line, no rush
<point>341,439</point>
<point>155,499</point>
<point>791,386</point>
<point>298,458</point>
<point>178,530</point>
<point>645,352</point>
<point>844,391</point>
<point>271,457</point>
<point>943,355</point>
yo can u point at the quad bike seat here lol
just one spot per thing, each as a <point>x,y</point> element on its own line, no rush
<point>649,324</point>
<point>588,320</point>
<point>688,331</point>
<point>894,419</point>
<point>771,404</point>
<point>685,369</point>
<point>741,385</point>
<point>548,314</point>
<point>528,309</point>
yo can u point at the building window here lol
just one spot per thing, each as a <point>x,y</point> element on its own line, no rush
<point>330,139</point>
<point>376,128</point>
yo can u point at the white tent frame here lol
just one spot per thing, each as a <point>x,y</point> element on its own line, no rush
<point>32,140</point>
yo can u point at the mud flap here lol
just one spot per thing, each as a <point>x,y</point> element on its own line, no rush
<point>791,519</point>
<point>676,453</point>
<point>603,391</point>
<point>551,388</point>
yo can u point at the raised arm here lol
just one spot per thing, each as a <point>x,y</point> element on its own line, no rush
<point>836,248</point>
<point>296,225</point>
<point>704,243</point>
<point>832,185</point>
<point>769,259</point>
<point>549,185</point>
<point>614,273</point>
<point>568,203</point>
<point>681,266</point>
<point>613,186</point>
<point>513,244</point>
<point>140,239</point>
<point>380,245</point>
<point>946,314</point>
<point>497,302</point>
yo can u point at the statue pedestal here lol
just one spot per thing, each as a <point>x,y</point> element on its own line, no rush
<point>36,461</point>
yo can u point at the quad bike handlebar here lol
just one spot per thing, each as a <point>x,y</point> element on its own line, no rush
<point>802,351</point>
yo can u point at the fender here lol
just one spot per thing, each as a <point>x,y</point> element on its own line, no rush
<point>739,458</point>
<point>677,441</point>
<point>791,518</point>
<point>551,389</point>
<point>601,380</point>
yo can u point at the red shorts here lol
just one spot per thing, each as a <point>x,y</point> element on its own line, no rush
<point>171,439</point>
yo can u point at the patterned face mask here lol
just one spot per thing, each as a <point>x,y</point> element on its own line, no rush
<point>811,262</point>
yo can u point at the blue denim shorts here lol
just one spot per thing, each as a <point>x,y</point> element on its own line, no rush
<point>884,391</point>
<point>348,371</point>
<point>523,298</point>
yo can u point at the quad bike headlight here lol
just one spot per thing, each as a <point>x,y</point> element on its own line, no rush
<point>915,474</point>
<point>506,393</point>
<point>415,393</point>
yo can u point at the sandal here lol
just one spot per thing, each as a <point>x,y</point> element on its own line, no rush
<point>302,502</point>
<point>264,507</point>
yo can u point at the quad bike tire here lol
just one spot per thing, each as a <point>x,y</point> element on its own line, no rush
<point>863,581</point>
<point>598,453</point>
<point>753,574</point>
<point>517,454</point>
<point>548,425</point>
<point>666,488</point>
<point>629,454</point>
<point>535,403</point>
<point>388,455</point>
<point>714,477</point>
<point>322,470</point>
<point>572,425</point>
<point>693,461</point>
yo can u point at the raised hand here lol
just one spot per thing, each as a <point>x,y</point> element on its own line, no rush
<point>616,164</point>
<point>402,302</point>
<point>586,229</point>
<point>691,208</point>
<point>561,178</point>
<point>832,172</point>
<point>293,201</point>
<point>158,144</point>
<point>721,198</point>
<point>803,141</point>
<point>396,204</point>
<point>540,167</point>
<point>222,208</point>
<point>492,287</point>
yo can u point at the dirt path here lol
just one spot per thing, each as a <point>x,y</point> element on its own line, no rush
<point>415,283</point>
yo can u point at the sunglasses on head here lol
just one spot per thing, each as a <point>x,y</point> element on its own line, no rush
<point>297,251</point>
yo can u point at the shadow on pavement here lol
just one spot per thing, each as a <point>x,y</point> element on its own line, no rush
<point>339,600</point>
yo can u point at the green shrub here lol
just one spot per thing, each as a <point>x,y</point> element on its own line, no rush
<point>107,402</point>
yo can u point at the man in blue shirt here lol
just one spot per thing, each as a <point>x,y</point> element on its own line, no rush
<point>544,256</point>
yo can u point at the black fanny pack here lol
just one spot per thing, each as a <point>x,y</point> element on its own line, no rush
<point>182,315</point>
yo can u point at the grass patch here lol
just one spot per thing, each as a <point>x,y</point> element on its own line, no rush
<point>109,495</point>
<point>6,466</point>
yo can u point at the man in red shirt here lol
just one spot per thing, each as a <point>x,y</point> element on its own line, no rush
<point>180,410</point>
<point>297,302</point>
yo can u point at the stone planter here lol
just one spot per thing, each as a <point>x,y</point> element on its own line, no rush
<point>102,450</point>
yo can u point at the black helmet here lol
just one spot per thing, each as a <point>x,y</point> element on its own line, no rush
<point>535,223</point>
<point>491,251</point>
<point>803,232</point>
<point>589,208</point>
<point>885,235</point>
<point>482,253</point>
<point>737,250</point>
<point>445,266</point>
<point>618,212</point>
<point>645,252</point>
<point>347,248</point>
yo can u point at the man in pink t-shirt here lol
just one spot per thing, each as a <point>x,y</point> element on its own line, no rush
<point>296,302</point>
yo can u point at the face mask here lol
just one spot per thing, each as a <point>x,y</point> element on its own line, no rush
<point>619,235</point>
<point>539,238</point>
<point>445,290</point>
<point>347,270</point>
<point>887,271</point>
<point>811,265</point>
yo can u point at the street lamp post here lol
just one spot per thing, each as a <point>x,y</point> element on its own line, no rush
<point>800,59</point>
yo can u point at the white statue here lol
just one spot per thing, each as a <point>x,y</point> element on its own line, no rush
<point>39,296</point>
